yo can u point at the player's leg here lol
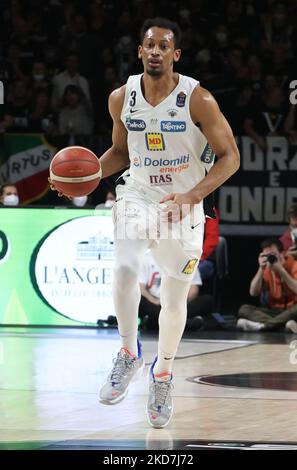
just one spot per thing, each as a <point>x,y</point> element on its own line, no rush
<point>126,290</point>
<point>172,322</point>
<point>129,362</point>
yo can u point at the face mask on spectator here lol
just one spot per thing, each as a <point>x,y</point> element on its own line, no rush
<point>294,235</point>
<point>38,77</point>
<point>11,200</point>
<point>80,201</point>
<point>221,36</point>
<point>109,203</point>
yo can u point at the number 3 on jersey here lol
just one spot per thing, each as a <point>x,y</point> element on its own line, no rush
<point>133,98</point>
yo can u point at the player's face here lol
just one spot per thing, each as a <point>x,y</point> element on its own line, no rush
<point>158,51</point>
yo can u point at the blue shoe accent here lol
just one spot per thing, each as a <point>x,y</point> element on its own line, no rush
<point>152,367</point>
<point>139,349</point>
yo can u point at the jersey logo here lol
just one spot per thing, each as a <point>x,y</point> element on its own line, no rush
<point>190,266</point>
<point>133,111</point>
<point>173,126</point>
<point>172,112</point>
<point>181,99</point>
<point>135,124</point>
<point>207,155</point>
<point>154,141</point>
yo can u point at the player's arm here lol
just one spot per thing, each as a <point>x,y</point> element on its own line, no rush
<point>207,115</point>
<point>205,112</point>
<point>116,158</point>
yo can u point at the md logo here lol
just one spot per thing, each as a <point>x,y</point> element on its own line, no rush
<point>154,141</point>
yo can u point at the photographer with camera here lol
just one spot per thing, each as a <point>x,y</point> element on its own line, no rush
<point>275,283</point>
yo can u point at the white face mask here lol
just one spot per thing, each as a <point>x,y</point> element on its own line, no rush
<point>11,200</point>
<point>109,203</point>
<point>38,77</point>
<point>80,201</point>
<point>221,37</point>
<point>294,235</point>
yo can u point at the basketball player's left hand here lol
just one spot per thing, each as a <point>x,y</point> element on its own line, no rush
<point>54,189</point>
<point>179,206</point>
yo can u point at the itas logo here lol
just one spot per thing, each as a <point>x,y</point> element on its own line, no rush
<point>135,124</point>
<point>154,141</point>
<point>160,180</point>
<point>190,266</point>
<point>181,99</point>
<point>173,126</point>
<point>136,162</point>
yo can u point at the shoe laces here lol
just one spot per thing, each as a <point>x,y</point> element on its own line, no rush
<point>123,363</point>
<point>161,392</point>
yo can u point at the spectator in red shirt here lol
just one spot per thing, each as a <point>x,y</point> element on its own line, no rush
<point>211,239</point>
<point>289,237</point>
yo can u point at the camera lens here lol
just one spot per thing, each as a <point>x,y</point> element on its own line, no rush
<point>271,259</point>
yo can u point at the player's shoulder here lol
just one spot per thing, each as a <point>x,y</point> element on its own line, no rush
<point>203,105</point>
<point>202,95</point>
<point>116,100</point>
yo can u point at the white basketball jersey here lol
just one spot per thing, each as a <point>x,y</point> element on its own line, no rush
<point>167,151</point>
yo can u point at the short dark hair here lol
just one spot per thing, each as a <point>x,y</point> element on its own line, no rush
<point>292,212</point>
<point>162,23</point>
<point>272,241</point>
<point>5,185</point>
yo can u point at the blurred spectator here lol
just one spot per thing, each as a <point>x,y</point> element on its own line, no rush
<point>12,68</point>
<point>266,117</point>
<point>79,201</point>
<point>70,76</point>
<point>39,76</point>
<point>5,120</point>
<point>41,118</point>
<point>275,283</point>
<point>18,107</point>
<point>149,308</point>
<point>110,199</point>
<point>74,117</point>
<point>289,237</point>
<point>9,195</point>
<point>29,50</point>
<point>125,56</point>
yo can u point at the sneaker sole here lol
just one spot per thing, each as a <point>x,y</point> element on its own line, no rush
<point>160,426</point>
<point>121,397</point>
<point>292,328</point>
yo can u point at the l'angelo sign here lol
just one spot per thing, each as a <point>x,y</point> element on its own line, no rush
<point>3,246</point>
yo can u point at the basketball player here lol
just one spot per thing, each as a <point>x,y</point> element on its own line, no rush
<point>168,129</point>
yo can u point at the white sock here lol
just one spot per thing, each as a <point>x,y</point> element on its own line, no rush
<point>172,321</point>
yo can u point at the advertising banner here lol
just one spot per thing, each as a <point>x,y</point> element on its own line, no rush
<point>24,161</point>
<point>255,201</point>
<point>56,266</point>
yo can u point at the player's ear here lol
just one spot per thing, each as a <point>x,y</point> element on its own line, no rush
<point>139,52</point>
<point>177,54</point>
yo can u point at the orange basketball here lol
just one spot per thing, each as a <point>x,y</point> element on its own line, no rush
<point>75,171</point>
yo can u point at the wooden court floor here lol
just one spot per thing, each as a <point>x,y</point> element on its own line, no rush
<point>236,388</point>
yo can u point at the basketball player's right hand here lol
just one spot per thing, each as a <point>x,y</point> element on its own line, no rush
<point>54,189</point>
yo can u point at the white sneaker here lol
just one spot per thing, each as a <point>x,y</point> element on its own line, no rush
<point>291,326</point>
<point>126,369</point>
<point>160,404</point>
<point>248,325</point>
